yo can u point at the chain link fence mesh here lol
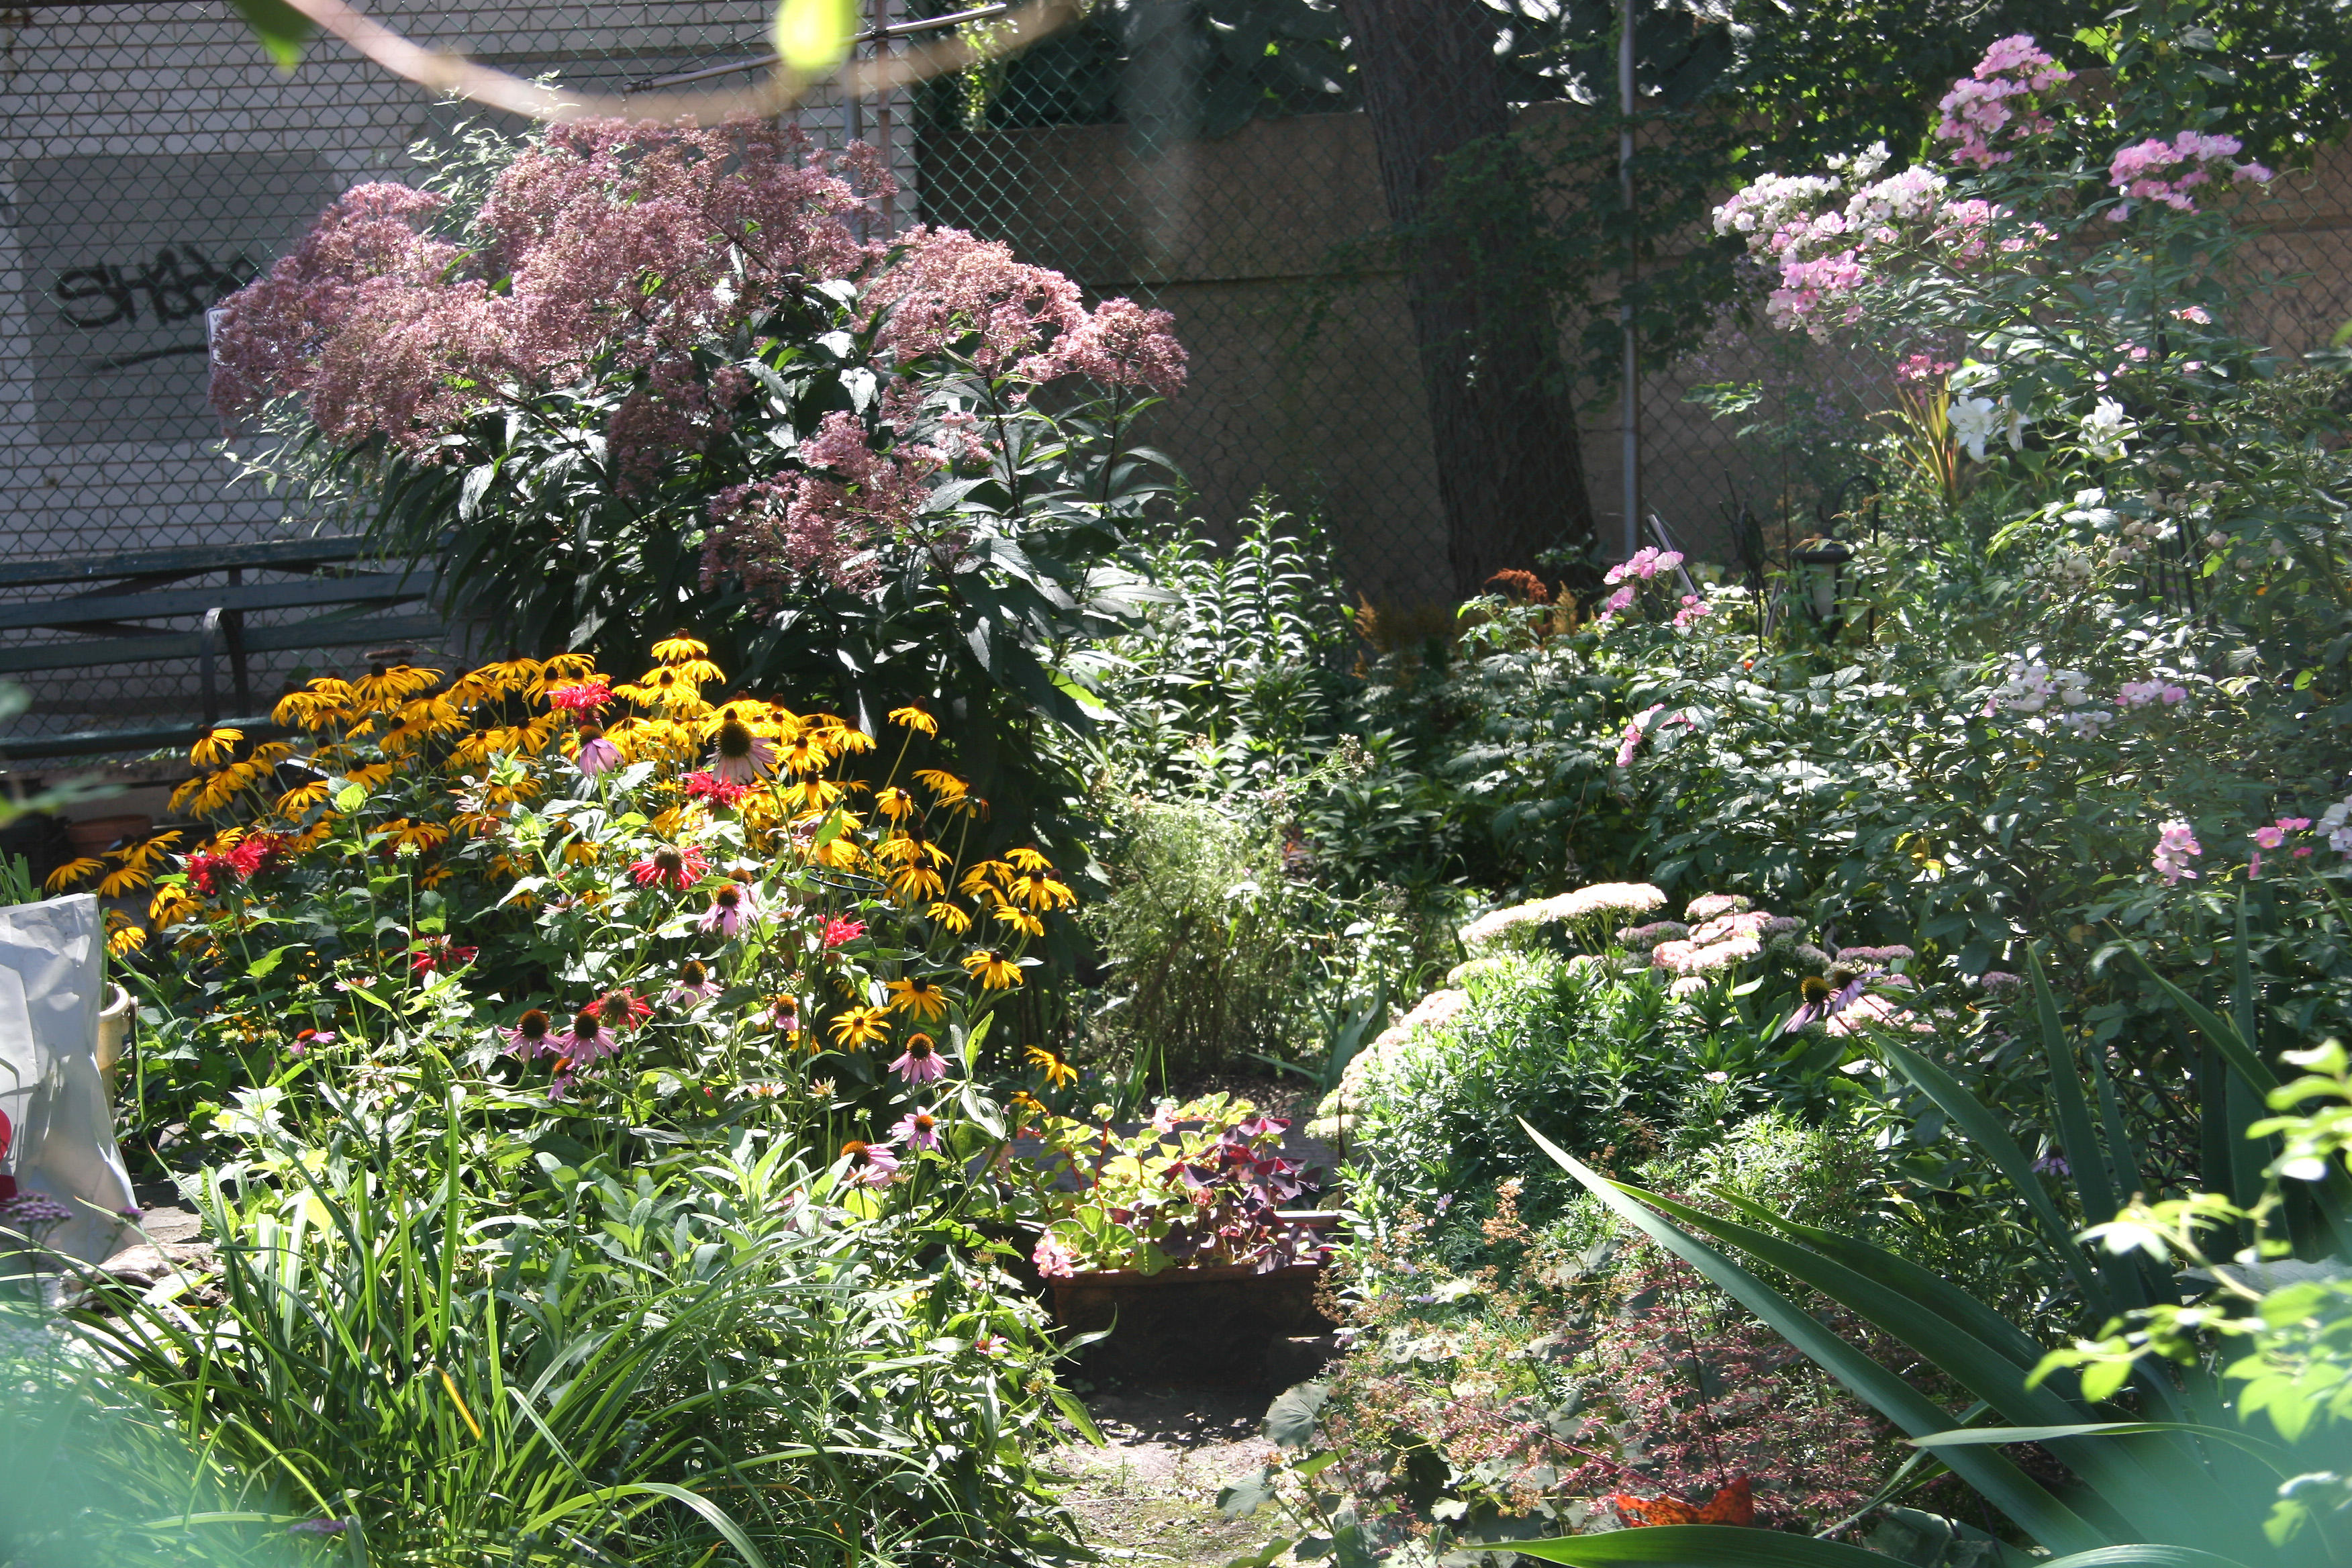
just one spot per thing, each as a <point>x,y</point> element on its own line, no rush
<point>154,160</point>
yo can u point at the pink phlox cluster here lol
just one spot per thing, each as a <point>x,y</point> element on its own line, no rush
<point>1707,905</point>
<point>1642,938</point>
<point>2196,313</point>
<point>1998,102</point>
<point>1693,610</point>
<point>2167,172</point>
<point>826,525</point>
<point>2336,823</point>
<point>392,330</point>
<point>2175,843</point>
<point>1875,957</point>
<point>1920,369</point>
<point>2142,693</point>
<point>1643,565</point>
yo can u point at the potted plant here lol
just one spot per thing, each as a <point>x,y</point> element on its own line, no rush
<point>1174,1233</point>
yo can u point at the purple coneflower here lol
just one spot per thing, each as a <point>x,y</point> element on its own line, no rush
<point>533,1035</point>
<point>742,756</point>
<point>917,1129</point>
<point>921,1063</point>
<point>586,1041</point>
<point>694,984</point>
<point>869,1164</point>
<point>595,754</point>
<point>731,906</point>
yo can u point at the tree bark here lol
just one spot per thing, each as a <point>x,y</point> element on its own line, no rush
<point>1510,472</point>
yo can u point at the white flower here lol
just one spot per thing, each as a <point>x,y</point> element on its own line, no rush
<point>2104,430</point>
<point>1976,420</point>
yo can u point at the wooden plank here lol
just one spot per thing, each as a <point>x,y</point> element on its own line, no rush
<point>183,561</point>
<point>324,631</point>
<point>99,742</point>
<point>372,588</point>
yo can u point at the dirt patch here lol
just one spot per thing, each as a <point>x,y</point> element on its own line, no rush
<point>1150,1494</point>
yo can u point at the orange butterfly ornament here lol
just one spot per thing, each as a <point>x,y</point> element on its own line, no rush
<point>1733,1504</point>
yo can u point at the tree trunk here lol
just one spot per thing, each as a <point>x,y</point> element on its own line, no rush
<point>1510,472</point>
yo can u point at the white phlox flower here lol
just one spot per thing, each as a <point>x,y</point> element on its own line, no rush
<point>2106,429</point>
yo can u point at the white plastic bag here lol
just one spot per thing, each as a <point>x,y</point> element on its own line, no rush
<point>52,988</point>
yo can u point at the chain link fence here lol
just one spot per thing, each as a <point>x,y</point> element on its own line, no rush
<point>154,160</point>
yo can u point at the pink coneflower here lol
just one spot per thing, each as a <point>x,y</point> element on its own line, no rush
<point>731,906</point>
<point>1053,1261</point>
<point>587,1041</point>
<point>711,787</point>
<point>559,1087</point>
<point>838,931</point>
<point>301,1043</point>
<point>918,1130</point>
<point>533,1035</point>
<point>869,1164</point>
<point>674,866</point>
<point>596,754</point>
<point>693,984</point>
<point>785,1014</point>
<point>921,1063</point>
<point>585,697</point>
<point>741,756</point>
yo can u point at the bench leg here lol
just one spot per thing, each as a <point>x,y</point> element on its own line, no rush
<point>207,640</point>
<point>233,625</point>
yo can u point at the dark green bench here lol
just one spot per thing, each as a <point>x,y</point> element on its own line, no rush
<point>112,597</point>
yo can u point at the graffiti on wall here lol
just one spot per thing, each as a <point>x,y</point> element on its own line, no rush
<point>121,258</point>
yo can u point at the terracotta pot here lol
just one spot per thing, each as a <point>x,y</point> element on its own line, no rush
<point>1212,1325</point>
<point>96,835</point>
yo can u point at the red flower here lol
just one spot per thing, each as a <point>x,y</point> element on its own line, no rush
<point>430,952</point>
<point>838,931</point>
<point>677,866</point>
<point>621,1009</point>
<point>710,786</point>
<point>585,698</point>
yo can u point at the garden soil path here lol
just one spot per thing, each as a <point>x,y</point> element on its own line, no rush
<point>1150,1494</point>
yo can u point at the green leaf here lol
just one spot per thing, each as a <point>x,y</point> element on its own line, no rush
<point>1290,1419</point>
<point>280,29</point>
<point>262,968</point>
<point>1068,1402</point>
<point>1730,1546</point>
<point>350,797</point>
<point>1966,1436</point>
<point>1246,1497</point>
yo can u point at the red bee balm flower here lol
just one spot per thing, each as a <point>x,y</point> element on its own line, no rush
<point>710,786</point>
<point>585,698</point>
<point>838,931</point>
<point>621,1009</point>
<point>434,953</point>
<point>674,866</point>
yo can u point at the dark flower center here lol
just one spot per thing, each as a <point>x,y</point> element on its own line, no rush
<point>734,740</point>
<point>859,1153</point>
<point>919,1049</point>
<point>532,1026</point>
<point>584,1026</point>
<point>590,732</point>
<point>669,861</point>
<point>1815,988</point>
<point>692,972</point>
<point>666,678</point>
<point>727,898</point>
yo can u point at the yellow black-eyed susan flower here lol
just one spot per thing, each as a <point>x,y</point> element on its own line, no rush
<point>857,1026</point>
<point>927,1001</point>
<point>992,969</point>
<point>1058,1073</point>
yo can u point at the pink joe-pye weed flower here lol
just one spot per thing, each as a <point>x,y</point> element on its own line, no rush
<point>2175,843</point>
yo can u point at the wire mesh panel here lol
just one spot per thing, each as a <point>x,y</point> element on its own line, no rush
<point>153,160</point>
